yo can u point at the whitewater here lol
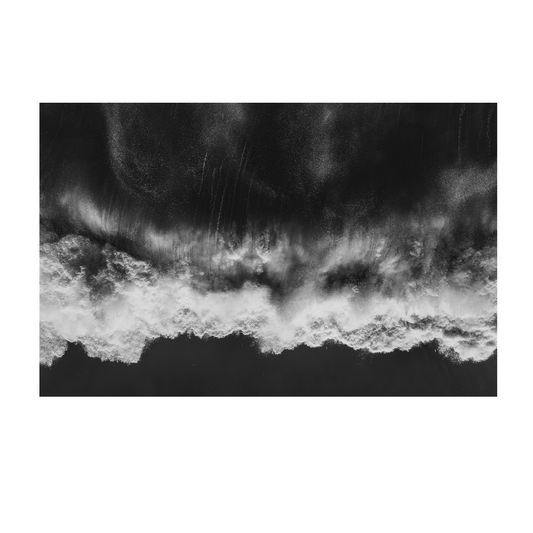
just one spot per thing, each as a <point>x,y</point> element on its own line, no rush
<point>115,304</point>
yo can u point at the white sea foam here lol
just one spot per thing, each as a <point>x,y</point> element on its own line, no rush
<point>114,304</point>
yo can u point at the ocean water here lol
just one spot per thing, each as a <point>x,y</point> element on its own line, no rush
<point>272,230</point>
<point>189,366</point>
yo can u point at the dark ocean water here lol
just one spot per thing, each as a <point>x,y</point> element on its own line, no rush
<point>233,367</point>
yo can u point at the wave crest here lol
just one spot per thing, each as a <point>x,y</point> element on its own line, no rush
<point>115,304</point>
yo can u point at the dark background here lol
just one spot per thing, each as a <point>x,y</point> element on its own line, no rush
<point>303,164</point>
<point>234,367</point>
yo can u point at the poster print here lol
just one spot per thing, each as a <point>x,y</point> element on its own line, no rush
<point>268,249</point>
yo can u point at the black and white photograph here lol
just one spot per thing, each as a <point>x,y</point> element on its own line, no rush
<point>268,249</point>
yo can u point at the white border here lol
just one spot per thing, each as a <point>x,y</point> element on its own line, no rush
<point>17,250</point>
<point>30,403</point>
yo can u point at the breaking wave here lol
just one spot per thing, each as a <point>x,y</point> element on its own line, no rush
<point>361,289</point>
